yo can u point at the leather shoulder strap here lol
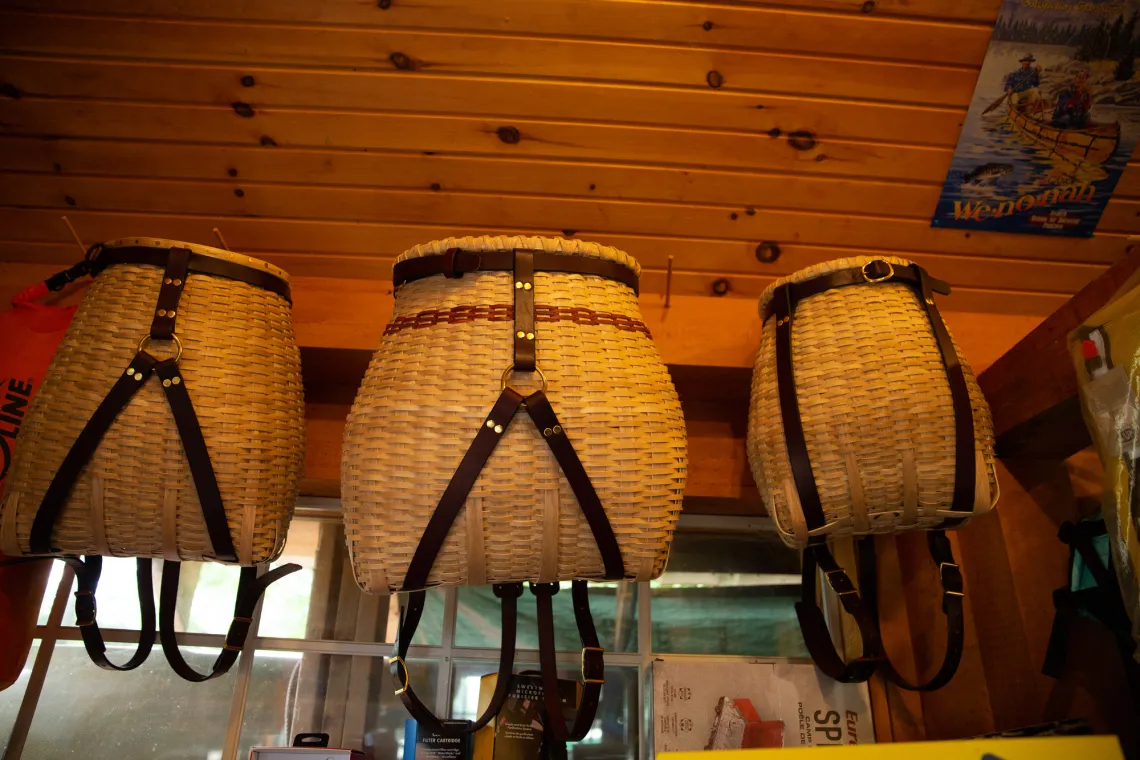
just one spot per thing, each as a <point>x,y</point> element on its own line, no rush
<point>87,574</point>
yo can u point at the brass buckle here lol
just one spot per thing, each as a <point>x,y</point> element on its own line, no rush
<point>945,590</point>
<point>403,667</point>
<point>582,666</point>
<point>177,344</point>
<point>890,272</point>
<point>94,609</point>
<point>842,572</point>
<point>510,370</point>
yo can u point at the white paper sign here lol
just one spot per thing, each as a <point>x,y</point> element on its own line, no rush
<point>729,705</point>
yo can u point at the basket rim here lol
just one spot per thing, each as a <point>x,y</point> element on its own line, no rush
<point>234,258</point>
<point>822,268</point>
<point>554,245</point>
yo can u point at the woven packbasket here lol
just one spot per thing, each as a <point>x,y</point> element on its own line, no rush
<point>132,491</point>
<point>487,331</point>
<point>865,419</point>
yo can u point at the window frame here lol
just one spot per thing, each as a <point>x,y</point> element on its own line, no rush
<point>446,653</point>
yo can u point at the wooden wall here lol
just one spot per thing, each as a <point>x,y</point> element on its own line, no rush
<point>330,135</point>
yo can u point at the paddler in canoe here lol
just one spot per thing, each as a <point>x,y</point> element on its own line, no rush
<point>1074,103</point>
<point>1023,85</point>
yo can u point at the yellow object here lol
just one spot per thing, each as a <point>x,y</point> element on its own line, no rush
<point>1040,748</point>
<point>1109,382</point>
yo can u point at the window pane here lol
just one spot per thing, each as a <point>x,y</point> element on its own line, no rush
<point>322,600</point>
<point>348,697</point>
<point>615,730</point>
<point>614,607</point>
<point>94,714</point>
<point>11,698</point>
<point>728,593</point>
<point>206,595</point>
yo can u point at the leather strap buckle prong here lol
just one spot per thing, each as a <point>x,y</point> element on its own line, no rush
<point>594,670</point>
<point>403,669</point>
<point>878,278</point>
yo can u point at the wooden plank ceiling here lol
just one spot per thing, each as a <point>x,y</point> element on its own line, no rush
<point>329,136</point>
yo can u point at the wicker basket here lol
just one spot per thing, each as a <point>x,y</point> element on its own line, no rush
<point>136,496</point>
<point>876,408</point>
<point>429,387</point>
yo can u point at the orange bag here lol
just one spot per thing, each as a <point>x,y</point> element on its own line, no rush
<point>29,334</point>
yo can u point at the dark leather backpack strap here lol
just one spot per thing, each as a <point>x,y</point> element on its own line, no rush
<point>419,569</point>
<point>592,661</point>
<point>509,594</point>
<point>544,418</point>
<point>813,625</point>
<point>198,459</point>
<point>524,311</point>
<point>251,586</point>
<point>965,462</point>
<point>80,453</point>
<point>87,572</point>
<point>952,606</point>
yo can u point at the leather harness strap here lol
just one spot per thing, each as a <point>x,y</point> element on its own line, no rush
<point>864,609</point>
<point>99,258</point>
<point>87,574</point>
<point>455,263</point>
<point>817,638</point>
<point>524,311</point>
<point>592,664</point>
<point>251,586</point>
<point>142,366</point>
<point>169,293</point>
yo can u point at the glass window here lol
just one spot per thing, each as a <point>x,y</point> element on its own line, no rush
<point>349,698</point>
<point>478,621</point>
<point>11,698</point>
<point>322,600</point>
<point>615,731</point>
<point>728,594</point>
<point>94,714</point>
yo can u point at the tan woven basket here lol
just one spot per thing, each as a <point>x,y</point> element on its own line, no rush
<point>429,388</point>
<point>876,408</point>
<point>136,497</point>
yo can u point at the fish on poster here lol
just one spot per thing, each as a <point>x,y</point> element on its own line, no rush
<point>1053,120</point>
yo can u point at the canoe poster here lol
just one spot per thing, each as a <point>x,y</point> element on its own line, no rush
<point>1053,120</point>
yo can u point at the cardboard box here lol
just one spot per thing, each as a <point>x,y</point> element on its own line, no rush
<point>421,743</point>
<point>516,733</point>
<point>729,705</point>
<point>1050,748</point>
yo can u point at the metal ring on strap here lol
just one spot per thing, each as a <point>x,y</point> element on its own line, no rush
<point>511,369</point>
<point>177,344</point>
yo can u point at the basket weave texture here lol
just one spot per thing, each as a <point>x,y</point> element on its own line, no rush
<point>430,386</point>
<point>871,384</point>
<point>136,497</point>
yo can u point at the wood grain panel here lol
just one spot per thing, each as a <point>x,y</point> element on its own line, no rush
<point>801,29</point>
<point>480,96</point>
<point>738,191</point>
<point>462,134</point>
<point>447,53</point>
<point>370,238</point>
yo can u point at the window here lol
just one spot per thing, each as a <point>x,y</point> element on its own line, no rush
<point>318,661</point>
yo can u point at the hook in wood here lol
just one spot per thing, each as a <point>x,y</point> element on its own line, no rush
<point>668,281</point>
<point>222,240</point>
